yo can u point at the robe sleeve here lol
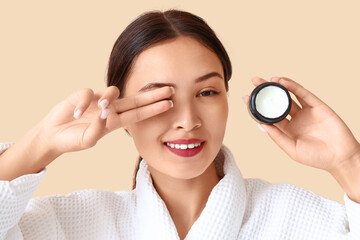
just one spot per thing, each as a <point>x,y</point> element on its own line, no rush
<point>86,214</point>
<point>14,198</point>
<point>353,214</point>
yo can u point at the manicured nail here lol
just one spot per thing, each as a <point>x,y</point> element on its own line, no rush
<point>173,90</point>
<point>261,128</point>
<point>105,113</point>
<point>104,103</point>
<point>77,114</point>
<point>171,103</point>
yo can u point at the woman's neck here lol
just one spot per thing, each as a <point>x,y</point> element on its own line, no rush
<point>185,199</point>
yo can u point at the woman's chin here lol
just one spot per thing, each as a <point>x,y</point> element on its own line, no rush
<point>186,172</point>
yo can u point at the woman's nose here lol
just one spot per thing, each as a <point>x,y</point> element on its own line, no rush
<point>186,117</point>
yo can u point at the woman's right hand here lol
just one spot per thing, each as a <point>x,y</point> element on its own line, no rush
<point>64,130</point>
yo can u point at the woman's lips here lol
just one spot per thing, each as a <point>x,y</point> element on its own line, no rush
<point>186,141</point>
<point>191,149</point>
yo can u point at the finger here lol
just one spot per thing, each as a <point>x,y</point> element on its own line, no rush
<point>275,79</point>
<point>141,113</point>
<point>142,99</point>
<point>282,124</point>
<point>81,100</point>
<point>94,132</point>
<point>286,143</point>
<point>246,99</point>
<point>294,108</point>
<point>304,96</point>
<point>108,96</point>
<point>257,81</point>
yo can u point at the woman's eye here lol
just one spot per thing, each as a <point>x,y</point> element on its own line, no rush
<point>208,93</point>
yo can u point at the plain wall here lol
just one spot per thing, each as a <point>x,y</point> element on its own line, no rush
<point>50,49</point>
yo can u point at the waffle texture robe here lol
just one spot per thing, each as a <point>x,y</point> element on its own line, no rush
<point>237,208</point>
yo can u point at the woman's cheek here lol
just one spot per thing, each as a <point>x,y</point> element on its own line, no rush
<point>154,127</point>
<point>218,109</point>
<point>214,118</point>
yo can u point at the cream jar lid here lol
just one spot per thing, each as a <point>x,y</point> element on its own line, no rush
<point>269,103</point>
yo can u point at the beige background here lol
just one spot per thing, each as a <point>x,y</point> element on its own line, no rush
<point>48,50</point>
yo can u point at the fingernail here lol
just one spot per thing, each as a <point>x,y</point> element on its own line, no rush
<point>173,90</point>
<point>171,104</point>
<point>243,97</point>
<point>103,104</point>
<point>77,114</point>
<point>105,113</point>
<point>261,128</point>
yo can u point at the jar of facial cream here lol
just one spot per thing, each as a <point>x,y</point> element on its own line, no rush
<point>269,103</point>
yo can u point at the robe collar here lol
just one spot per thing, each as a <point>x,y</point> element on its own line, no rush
<point>220,219</point>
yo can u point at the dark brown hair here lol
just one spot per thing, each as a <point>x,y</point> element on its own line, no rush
<point>151,28</point>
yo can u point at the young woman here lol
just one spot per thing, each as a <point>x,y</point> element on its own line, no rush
<point>167,87</point>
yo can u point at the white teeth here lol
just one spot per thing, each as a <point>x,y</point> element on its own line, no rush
<point>183,146</point>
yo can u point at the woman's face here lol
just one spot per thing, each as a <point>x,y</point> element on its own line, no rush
<point>200,107</point>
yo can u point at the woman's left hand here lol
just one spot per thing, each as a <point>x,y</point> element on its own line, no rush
<point>315,135</point>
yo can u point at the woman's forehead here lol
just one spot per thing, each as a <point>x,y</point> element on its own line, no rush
<point>175,60</point>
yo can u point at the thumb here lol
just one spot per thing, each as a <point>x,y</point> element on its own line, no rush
<point>286,143</point>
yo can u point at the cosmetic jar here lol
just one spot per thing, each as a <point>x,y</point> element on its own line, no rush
<point>269,103</point>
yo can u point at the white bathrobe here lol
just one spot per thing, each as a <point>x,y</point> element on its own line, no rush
<point>237,208</point>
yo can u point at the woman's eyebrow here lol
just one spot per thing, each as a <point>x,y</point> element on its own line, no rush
<point>199,79</point>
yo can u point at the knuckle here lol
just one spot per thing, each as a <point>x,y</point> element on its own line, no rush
<point>153,96</point>
<point>155,109</point>
<point>86,94</point>
<point>115,90</point>
<point>87,91</point>
<point>81,96</point>
<point>138,114</point>
<point>92,144</point>
<point>136,101</point>
<point>89,142</point>
<point>120,120</point>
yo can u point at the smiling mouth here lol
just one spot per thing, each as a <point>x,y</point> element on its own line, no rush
<point>185,150</point>
<point>183,146</point>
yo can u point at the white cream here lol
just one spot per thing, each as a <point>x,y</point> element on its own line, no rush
<point>271,102</point>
